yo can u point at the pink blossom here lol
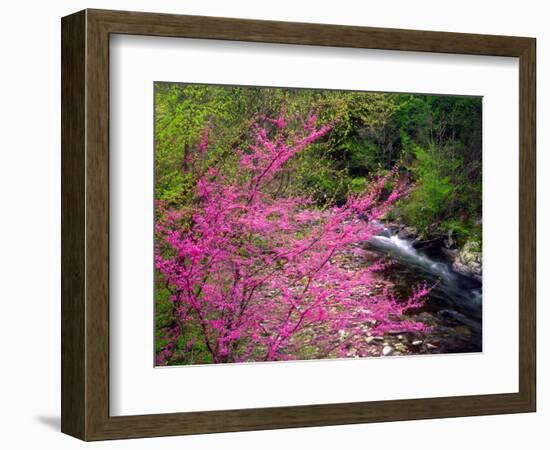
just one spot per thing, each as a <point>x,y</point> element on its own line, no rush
<point>264,277</point>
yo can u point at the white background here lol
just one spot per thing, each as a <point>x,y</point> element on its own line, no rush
<point>136,387</point>
<point>30,235</point>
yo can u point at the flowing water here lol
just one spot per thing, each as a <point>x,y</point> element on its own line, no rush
<point>454,305</point>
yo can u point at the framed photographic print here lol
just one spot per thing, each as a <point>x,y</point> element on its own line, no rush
<point>272,225</point>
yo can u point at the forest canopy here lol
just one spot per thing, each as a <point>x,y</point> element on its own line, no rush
<point>435,140</point>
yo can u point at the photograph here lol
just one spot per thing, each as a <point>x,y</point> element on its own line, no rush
<point>305,224</point>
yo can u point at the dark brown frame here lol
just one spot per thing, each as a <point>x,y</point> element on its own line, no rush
<point>85,224</point>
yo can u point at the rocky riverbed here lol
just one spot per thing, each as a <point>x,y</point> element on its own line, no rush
<point>453,308</point>
<point>466,260</point>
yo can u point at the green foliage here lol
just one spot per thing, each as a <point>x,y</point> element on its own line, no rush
<point>358,184</point>
<point>430,201</point>
<point>318,178</point>
<point>436,140</point>
<point>440,138</point>
<point>190,346</point>
<point>181,113</point>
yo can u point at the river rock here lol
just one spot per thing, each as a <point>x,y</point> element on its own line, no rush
<point>468,261</point>
<point>408,233</point>
<point>449,241</point>
<point>387,350</point>
<point>450,253</point>
<point>400,347</point>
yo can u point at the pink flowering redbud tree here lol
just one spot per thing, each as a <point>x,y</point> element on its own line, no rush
<point>263,277</point>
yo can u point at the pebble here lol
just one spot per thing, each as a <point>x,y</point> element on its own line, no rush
<point>416,343</point>
<point>387,350</point>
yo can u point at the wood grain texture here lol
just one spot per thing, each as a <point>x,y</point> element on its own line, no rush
<point>151,24</point>
<point>527,224</point>
<point>85,224</point>
<point>73,109</point>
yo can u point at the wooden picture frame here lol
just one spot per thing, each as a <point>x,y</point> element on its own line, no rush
<point>85,224</point>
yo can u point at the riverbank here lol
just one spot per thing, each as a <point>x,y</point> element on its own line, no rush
<point>453,309</point>
<point>465,259</point>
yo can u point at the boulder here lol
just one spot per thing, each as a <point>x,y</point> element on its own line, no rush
<point>408,233</point>
<point>468,261</point>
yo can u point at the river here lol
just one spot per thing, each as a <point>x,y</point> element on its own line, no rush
<point>454,305</point>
